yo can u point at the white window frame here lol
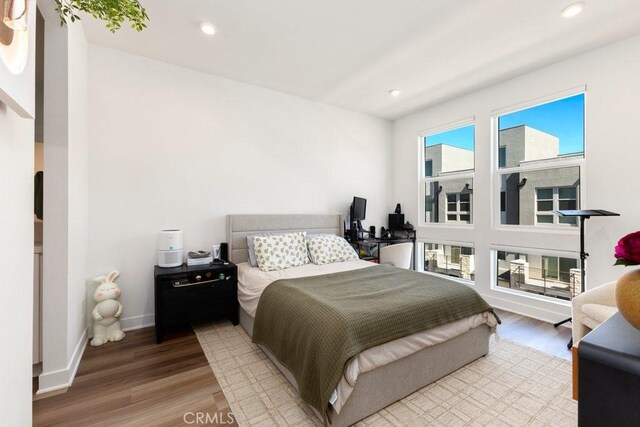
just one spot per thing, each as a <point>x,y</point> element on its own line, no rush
<point>552,164</point>
<point>424,181</point>
<point>555,201</point>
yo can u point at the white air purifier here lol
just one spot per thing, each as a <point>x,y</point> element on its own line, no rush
<point>170,248</point>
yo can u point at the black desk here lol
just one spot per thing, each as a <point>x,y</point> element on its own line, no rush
<point>609,375</point>
<point>383,242</point>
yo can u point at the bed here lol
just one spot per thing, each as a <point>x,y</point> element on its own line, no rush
<point>385,373</point>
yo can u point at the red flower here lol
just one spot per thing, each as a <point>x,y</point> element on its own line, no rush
<point>628,249</point>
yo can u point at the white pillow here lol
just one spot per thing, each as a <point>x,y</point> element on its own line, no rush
<point>281,251</point>
<point>329,248</point>
<point>252,252</point>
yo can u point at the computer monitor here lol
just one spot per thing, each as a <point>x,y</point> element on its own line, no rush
<point>358,209</point>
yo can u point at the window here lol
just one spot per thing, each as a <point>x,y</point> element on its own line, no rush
<point>502,156</point>
<point>448,201</point>
<point>530,198</point>
<point>549,276</point>
<point>540,153</point>
<point>449,260</point>
<point>450,151</point>
<point>428,168</point>
<point>449,163</point>
<point>544,132</point>
<point>552,199</point>
<point>459,207</point>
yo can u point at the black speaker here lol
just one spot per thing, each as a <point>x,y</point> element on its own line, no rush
<point>396,221</point>
<point>224,252</point>
<point>372,231</point>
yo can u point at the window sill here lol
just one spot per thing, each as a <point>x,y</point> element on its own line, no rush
<point>530,296</point>
<point>445,225</point>
<point>567,230</point>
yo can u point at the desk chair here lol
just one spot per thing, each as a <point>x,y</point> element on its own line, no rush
<point>398,255</point>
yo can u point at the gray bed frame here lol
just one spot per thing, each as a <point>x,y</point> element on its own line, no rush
<point>382,386</point>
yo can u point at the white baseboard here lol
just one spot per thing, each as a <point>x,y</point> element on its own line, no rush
<point>132,323</point>
<point>63,378</point>
<point>549,316</point>
<point>138,322</point>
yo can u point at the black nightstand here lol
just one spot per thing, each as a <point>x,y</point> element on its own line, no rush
<point>609,375</point>
<point>190,294</point>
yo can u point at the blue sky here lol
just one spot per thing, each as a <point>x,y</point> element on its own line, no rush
<point>563,118</point>
<point>461,137</point>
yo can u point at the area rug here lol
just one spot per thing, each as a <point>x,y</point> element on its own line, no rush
<point>512,386</point>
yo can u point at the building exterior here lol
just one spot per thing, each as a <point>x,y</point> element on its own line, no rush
<point>528,198</point>
<point>441,159</point>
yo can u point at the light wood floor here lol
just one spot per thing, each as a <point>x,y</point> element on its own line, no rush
<point>136,382</point>
<point>535,333</point>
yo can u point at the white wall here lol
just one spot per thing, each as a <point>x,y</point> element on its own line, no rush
<point>171,147</point>
<point>16,262</point>
<point>78,187</point>
<point>65,202</point>
<point>612,77</point>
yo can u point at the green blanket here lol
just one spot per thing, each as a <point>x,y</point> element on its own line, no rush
<point>314,325</point>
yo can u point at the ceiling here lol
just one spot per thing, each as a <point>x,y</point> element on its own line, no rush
<point>350,53</point>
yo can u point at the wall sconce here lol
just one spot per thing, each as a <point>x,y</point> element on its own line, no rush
<point>522,183</point>
<point>467,186</point>
<point>15,14</point>
<point>439,190</point>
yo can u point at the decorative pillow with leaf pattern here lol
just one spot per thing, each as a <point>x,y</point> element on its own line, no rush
<point>281,251</point>
<point>329,248</point>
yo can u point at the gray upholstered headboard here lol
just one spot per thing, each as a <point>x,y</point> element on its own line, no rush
<point>239,226</point>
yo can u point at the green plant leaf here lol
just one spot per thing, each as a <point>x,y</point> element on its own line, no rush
<point>624,262</point>
<point>113,12</point>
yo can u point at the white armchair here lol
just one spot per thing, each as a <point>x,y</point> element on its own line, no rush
<point>591,308</point>
<point>398,255</point>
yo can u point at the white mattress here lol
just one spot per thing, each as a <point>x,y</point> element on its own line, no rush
<point>252,281</point>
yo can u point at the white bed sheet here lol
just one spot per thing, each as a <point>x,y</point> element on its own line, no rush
<point>252,281</point>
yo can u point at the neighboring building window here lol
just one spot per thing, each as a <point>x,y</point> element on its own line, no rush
<point>553,199</point>
<point>428,168</point>
<point>549,276</point>
<point>544,205</point>
<point>502,157</point>
<point>540,151</point>
<point>459,207</point>
<point>449,163</point>
<point>450,260</point>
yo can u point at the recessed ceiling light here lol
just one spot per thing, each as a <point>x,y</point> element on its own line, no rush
<point>572,10</point>
<point>395,92</point>
<point>208,28</point>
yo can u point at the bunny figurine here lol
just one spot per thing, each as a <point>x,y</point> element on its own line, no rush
<point>106,313</point>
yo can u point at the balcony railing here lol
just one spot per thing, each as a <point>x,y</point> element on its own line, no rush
<point>460,266</point>
<point>551,283</point>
